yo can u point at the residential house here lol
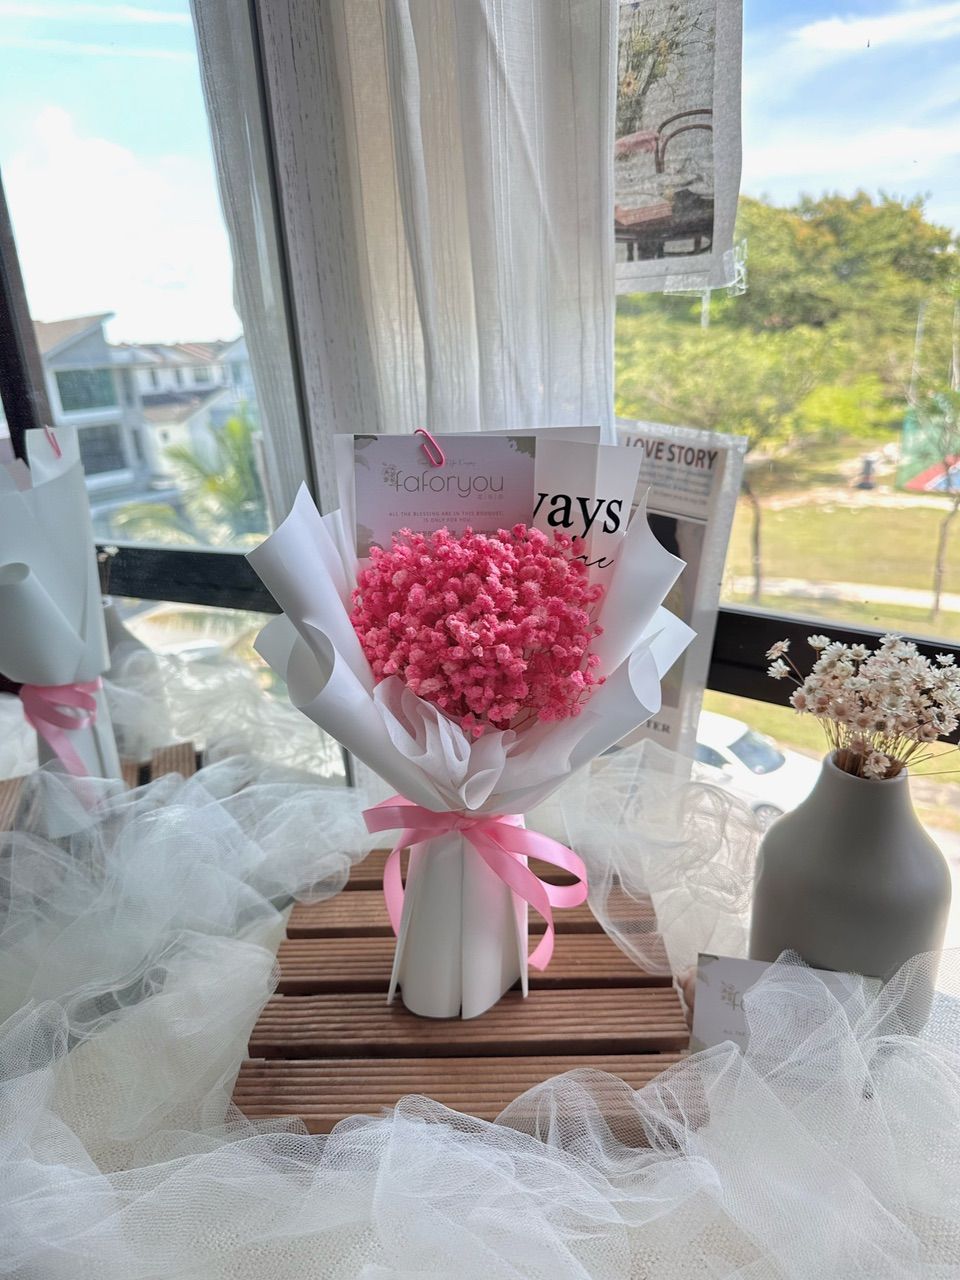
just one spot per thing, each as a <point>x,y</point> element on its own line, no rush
<point>185,393</point>
<point>132,402</point>
<point>86,390</point>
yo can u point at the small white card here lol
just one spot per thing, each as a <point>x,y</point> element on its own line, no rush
<point>718,1013</point>
<point>486,483</point>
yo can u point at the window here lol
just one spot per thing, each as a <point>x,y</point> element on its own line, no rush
<point>847,298</point>
<point>85,389</point>
<point>144,263</point>
<point>841,361</point>
<point>101,449</point>
<point>707,755</point>
<point>758,754</point>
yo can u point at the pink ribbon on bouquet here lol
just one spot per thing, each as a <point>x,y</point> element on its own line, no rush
<point>55,710</point>
<point>500,841</point>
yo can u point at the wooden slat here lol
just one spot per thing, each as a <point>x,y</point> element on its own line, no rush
<point>322,1092</point>
<point>317,966</point>
<point>180,758</point>
<point>362,914</point>
<point>11,790</point>
<point>368,874</point>
<point>589,1021</point>
<point>130,769</point>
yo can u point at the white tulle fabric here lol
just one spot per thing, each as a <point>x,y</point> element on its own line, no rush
<point>134,958</point>
<point>215,702</point>
<point>657,838</point>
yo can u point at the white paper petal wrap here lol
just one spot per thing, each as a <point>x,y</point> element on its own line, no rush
<point>51,618</point>
<point>133,962</point>
<point>429,760</point>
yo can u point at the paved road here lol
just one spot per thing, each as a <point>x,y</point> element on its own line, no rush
<point>853,592</point>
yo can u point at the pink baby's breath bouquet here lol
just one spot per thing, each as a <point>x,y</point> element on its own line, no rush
<point>493,630</point>
<point>474,672</point>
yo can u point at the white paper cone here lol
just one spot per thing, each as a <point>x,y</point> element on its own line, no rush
<point>462,940</point>
<point>51,619</point>
<point>39,643</point>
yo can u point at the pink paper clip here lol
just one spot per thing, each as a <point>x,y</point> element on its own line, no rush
<point>437,457</point>
<point>54,443</point>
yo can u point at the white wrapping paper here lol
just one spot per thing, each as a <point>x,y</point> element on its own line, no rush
<point>52,630</point>
<point>458,916</point>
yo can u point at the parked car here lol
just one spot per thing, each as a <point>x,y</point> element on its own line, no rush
<point>769,778</point>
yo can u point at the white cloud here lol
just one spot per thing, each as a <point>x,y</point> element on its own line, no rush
<point>872,156</point>
<point>923,25</point>
<point>38,44</point>
<point>777,64</point>
<point>74,11</point>
<point>101,229</point>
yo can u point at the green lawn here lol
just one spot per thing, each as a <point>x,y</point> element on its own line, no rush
<point>832,543</point>
<point>800,470</point>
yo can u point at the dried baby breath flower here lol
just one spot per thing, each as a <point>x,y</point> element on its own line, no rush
<point>880,708</point>
<point>778,649</point>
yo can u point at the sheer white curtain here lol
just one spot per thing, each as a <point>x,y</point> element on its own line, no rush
<point>445,181</point>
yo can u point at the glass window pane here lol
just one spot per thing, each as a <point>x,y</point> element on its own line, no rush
<point>841,361</point>
<point>86,389</point>
<point>101,449</point>
<point>220,692</point>
<point>128,269</point>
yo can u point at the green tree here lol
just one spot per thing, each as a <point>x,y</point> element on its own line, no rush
<point>651,39</point>
<point>850,315</point>
<point>223,499</point>
<point>722,379</point>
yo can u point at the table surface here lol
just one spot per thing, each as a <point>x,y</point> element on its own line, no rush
<point>328,1045</point>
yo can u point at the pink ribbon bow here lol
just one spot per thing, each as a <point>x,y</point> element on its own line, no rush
<point>500,841</point>
<point>56,709</point>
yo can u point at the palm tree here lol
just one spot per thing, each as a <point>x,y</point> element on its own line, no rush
<point>223,499</point>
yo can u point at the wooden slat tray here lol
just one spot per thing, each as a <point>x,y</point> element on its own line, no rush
<point>328,1045</point>
<point>323,1092</point>
<point>322,966</point>
<point>363,914</point>
<point>586,1020</point>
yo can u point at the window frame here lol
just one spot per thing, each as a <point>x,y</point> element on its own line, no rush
<point>221,579</point>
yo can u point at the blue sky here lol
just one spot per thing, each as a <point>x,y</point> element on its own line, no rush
<point>863,93</point>
<point>105,153</point>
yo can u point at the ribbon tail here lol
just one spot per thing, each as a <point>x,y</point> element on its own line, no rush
<point>393,885</point>
<point>60,744</point>
<point>43,709</point>
<point>525,884</point>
